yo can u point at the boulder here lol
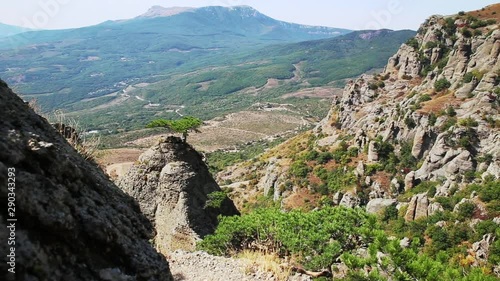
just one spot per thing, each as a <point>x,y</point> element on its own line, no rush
<point>418,207</point>
<point>372,152</point>
<point>377,206</point>
<point>350,200</point>
<point>481,249</point>
<point>177,194</point>
<point>409,180</point>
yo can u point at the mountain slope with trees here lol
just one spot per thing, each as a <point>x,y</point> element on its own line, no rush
<point>416,146</point>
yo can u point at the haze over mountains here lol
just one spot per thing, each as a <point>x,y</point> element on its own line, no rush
<point>9,30</point>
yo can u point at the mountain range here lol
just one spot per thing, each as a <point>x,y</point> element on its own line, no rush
<point>85,68</point>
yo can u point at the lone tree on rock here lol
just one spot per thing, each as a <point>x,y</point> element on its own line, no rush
<point>183,125</point>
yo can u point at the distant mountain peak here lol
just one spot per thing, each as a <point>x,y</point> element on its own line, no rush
<point>159,11</point>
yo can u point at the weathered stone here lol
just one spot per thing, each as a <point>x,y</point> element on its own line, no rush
<point>74,223</point>
<point>372,152</point>
<point>377,206</point>
<point>270,179</point>
<point>419,143</point>
<point>409,180</point>
<point>418,207</point>
<point>481,249</point>
<point>173,185</point>
<point>337,197</point>
<point>405,242</point>
<point>350,200</point>
<point>434,208</point>
<point>360,169</point>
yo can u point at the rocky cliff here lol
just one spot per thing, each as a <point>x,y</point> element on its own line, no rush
<point>72,222</point>
<point>440,94</point>
<point>432,116</point>
<point>177,193</point>
<point>417,144</point>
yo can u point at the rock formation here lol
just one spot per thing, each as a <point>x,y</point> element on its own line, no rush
<point>177,194</point>
<point>73,223</point>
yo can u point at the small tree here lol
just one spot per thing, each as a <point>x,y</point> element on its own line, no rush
<point>183,125</point>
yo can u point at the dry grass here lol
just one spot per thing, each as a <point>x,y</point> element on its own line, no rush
<point>302,199</point>
<point>439,102</point>
<point>267,262</point>
<point>86,145</point>
<point>488,12</point>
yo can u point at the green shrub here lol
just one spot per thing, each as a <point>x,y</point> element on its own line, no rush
<point>424,98</point>
<point>490,191</point>
<point>448,124</point>
<point>450,111</point>
<point>466,32</point>
<point>468,122</point>
<point>322,235</point>
<point>441,84</point>
<point>215,199</point>
<point>432,119</point>
<point>410,122</point>
<point>466,210</point>
<point>413,42</point>
<point>299,169</point>
<point>324,157</point>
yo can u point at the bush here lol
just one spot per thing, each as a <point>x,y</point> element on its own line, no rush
<point>450,111</point>
<point>410,123</point>
<point>466,32</point>
<point>432,119</point>
<point>413,42</point>
<point>468,122</point>
<point>215,199</point>
<point>466,210</point>
<point>321,235</point>
<point>299,169</point>
<point>424,98</point>
<point>442,84</point>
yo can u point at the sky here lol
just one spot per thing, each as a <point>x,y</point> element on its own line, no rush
<point>351,14</point>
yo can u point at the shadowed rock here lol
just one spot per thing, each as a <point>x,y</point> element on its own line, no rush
<point>73,222</point>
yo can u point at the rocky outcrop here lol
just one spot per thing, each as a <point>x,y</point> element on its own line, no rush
<point>481,249</point>
<point>350,200</point>
<point>272,179</point>
<point>377,206</point>
<point>418,207</point>
<point>73,222</point>
<point>177,194</point>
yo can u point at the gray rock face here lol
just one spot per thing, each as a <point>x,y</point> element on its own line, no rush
<point>172,185</point>
<point>482,249</point>
<point>272,179</point>
<point>372,152</point>
<point>418,207</point>
<point>405,62</point>
<point>350,200</point>
<point>377,206</point>
<point>409,180</point>
<point>74,223</point>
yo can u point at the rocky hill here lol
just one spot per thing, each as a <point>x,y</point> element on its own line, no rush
<point>67,220</point>
<point>177,194</point>
<point>417,144</point>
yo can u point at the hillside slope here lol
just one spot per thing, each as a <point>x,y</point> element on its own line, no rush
<point>418,145</point>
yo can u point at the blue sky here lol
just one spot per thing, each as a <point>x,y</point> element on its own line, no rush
<point>352,14</point>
